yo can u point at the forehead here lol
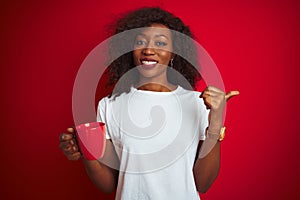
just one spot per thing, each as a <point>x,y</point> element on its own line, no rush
<point>156,30</point>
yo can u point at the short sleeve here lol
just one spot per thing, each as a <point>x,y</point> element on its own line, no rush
<point>101,114</point>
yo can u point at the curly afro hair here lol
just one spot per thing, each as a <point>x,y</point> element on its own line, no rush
<point>145,17</point>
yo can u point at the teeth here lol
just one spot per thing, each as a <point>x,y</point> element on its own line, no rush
<point>146,62</point>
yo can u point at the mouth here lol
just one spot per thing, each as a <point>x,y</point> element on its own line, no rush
<point>148,63</point>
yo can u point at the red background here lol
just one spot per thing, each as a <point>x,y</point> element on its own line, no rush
<point>255,45</point>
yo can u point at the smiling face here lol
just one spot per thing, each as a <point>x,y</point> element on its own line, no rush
<point>153,52</point>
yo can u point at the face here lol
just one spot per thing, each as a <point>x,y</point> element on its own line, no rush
<point>153,52</point>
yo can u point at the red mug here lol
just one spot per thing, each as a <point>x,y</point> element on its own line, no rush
<point>91,140</point>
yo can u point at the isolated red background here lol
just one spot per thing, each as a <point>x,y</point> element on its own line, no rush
<point>255,45</point>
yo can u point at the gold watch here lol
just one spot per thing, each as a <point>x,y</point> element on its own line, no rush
<point>222,133</point>
<point>218,136</point>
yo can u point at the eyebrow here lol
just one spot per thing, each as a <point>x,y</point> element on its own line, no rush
<point>158,35</point>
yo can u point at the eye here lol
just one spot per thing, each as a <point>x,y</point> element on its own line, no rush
<point>139,42</point>
<point>160,43</point>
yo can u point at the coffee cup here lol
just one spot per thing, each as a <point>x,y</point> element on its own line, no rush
<point>91,140</point>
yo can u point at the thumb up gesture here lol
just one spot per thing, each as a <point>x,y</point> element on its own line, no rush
<point>215,100</point>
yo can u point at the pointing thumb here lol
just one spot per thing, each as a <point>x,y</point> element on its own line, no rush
<point>231,94</point>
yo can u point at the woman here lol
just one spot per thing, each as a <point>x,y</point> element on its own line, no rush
<point>157,157</point>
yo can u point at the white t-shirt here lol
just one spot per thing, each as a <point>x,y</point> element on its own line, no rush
<point>156,135</point>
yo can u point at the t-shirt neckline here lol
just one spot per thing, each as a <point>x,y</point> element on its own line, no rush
<point>155,92</point>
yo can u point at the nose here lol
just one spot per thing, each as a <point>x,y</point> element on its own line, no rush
<point>148,50</point>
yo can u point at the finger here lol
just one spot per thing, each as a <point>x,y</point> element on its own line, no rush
<point>231,94</point>
<point>71,130</point>
<point>74,156</point>
<point>204,95</point>
<point>203,92</point>
<point>211,91</point>
<point>70,150</point>
<point>65,137</point>
<point>67,146</point>
<point>207,101</point>
<point>64,145</point>
<point>67,150</point>
<point>73,143</point>
<point>208,94</point>
<point>214,89</point>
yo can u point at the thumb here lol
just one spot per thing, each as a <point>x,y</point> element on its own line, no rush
<point>71,129</point>
<point>231,94</point>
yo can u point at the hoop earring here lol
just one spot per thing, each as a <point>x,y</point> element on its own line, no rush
<point>171,63</point>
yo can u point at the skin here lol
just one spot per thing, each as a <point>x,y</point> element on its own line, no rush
<point>157,45</point>
<point>206,169</point>
<point>103,177</point>
<point>154,44</point>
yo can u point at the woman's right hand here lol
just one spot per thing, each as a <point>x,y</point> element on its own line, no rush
<point>68,145</point>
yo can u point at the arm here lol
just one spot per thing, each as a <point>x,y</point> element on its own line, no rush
<point>207,166</point>
<point>104,177</point>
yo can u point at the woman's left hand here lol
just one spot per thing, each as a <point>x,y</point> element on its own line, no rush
<point>215,100</point>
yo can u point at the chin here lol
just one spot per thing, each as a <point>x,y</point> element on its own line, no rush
<point>152,72</point>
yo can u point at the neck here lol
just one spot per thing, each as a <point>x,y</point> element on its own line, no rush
<point>156,84</point>
<point>157,87</point>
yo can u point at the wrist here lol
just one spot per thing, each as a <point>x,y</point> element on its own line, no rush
<point>217,134</point>
<point>215,121</point>
<point>214,128</point>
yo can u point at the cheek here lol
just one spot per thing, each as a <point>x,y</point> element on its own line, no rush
<point>166,55</point>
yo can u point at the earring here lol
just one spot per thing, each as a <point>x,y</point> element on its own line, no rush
<point>171,62</point>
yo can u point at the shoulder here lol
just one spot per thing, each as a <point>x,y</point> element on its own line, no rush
<point>189,92</point>
<point>103,102</point>
<point>114,98</point>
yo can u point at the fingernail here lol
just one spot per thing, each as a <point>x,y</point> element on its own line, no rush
<point>71,141</point>
<point>74,148</point>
